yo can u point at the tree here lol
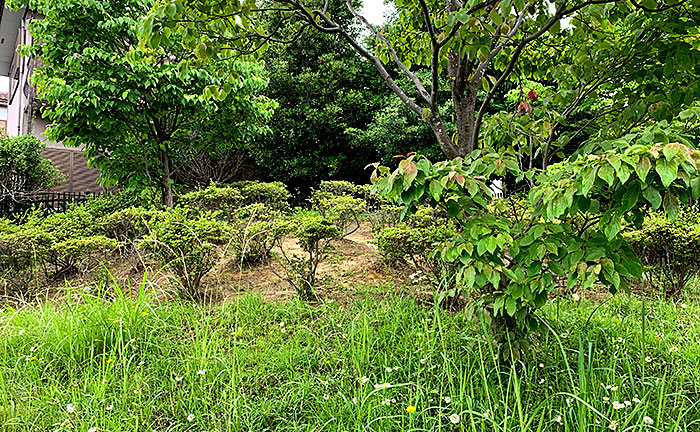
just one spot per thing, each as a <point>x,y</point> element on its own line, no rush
<point>23,169</point>
<point>473,48</point>
<point>325,92</point>
<point>133,110</point>
<point>509,253</point>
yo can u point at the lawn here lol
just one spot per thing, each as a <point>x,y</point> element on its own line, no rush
<point>380,363</point>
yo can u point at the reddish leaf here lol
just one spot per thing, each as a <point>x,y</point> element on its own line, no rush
<point>409,168</point>
<point>532,94</point>
<point>524,108</point>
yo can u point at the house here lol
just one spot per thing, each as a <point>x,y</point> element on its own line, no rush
<point>23,104</point>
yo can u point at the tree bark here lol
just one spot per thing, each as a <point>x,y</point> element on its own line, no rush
<point>166,186</point>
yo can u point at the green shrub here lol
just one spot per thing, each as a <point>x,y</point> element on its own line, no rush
<point>57,245</point>
<point>107,204</point>
<point>313,234</point>
<point>670,250</point>
<point>254,240</point>
<point>339,203</point>
<point>188,243</point>
<point>23,168</point>
<point>130,224</point>
<point>413,243</point>
<point>234,198</point>
<point>60,243</point>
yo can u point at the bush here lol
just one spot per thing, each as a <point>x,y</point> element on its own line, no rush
<point>59,244</point>
<point>313,234</point>
<point>232,199</point>
<point>105,205</point>
<point>413,243</point>
<point>670,250</point>
<point>340,202</point>
<point>23,168</point>
<point>253,241</point>
<point>189,244</point>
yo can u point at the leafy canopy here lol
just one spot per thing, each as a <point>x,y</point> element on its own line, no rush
<point>133,110</point>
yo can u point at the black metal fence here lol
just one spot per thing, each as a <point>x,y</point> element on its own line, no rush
<point>48,201</point>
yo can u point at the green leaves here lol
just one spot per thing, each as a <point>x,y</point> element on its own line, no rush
<point>668,171</point>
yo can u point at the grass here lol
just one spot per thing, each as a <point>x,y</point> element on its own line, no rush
<point>91,364</point>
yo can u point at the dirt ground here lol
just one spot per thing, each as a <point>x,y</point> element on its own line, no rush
<point>351,270</point>
<point>353,261</point>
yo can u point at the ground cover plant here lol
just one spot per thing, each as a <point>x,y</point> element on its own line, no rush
<point>381,365</point>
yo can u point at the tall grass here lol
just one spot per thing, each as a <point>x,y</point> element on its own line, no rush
<point>126,364</point>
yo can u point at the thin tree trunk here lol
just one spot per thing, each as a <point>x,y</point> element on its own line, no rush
<point>166,187</point>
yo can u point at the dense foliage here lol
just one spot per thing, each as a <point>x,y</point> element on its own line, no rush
<point>579,208</point>
<point>23,168</point>
<point>472,50</point>
<point>139,114</point>
<point>669,249</point>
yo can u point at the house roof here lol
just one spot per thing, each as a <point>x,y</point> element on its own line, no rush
<point>9,27</point>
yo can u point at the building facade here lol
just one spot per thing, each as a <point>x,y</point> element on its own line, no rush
<point>24,104</point>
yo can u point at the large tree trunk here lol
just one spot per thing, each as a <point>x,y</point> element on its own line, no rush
<point>166,187</point>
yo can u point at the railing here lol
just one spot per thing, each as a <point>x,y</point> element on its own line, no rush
<point>49,201</point>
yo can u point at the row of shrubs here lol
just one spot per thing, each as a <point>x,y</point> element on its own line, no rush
<point>247,221</point>
<point>244,222</point>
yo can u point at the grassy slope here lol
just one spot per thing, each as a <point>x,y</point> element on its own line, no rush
<point>126,365</point>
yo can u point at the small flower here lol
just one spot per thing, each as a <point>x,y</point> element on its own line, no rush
<point>674,349</point>
<point>283,330</point>
<point>448,399</point>
<point>454,418</point>
<point>70,408</point>
<point>21,332</point>
<point>613,388</point>
<point>487,413</point>
<point>683,305</point>
<point>612,425</point>
<point>281,323</point>
<point>354,400</point>
<point>619,340</point>
<point>541,381</point>
<point>32,349</point>
<point>109,407</point>
<point>201,372</point>
<point>326,396</point>
<point>617,405</point>
<point>364,380</point>
<point>605,398</point>
<point>92,429</point>
<point>410,409</point>
<point>628,403</point>
<point>144,313</point>
<point>636,400</point>
<point>648,420</point>
<point>178,378</point>
<point>576,297</point>
<point>558,419</point>
<point>568,401</point>
<point>423,361</point>
<point>541,365</point>
<point>388,369</point>
<point>647,359</point>
<point>190,417</point>
<point>382,386</point>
